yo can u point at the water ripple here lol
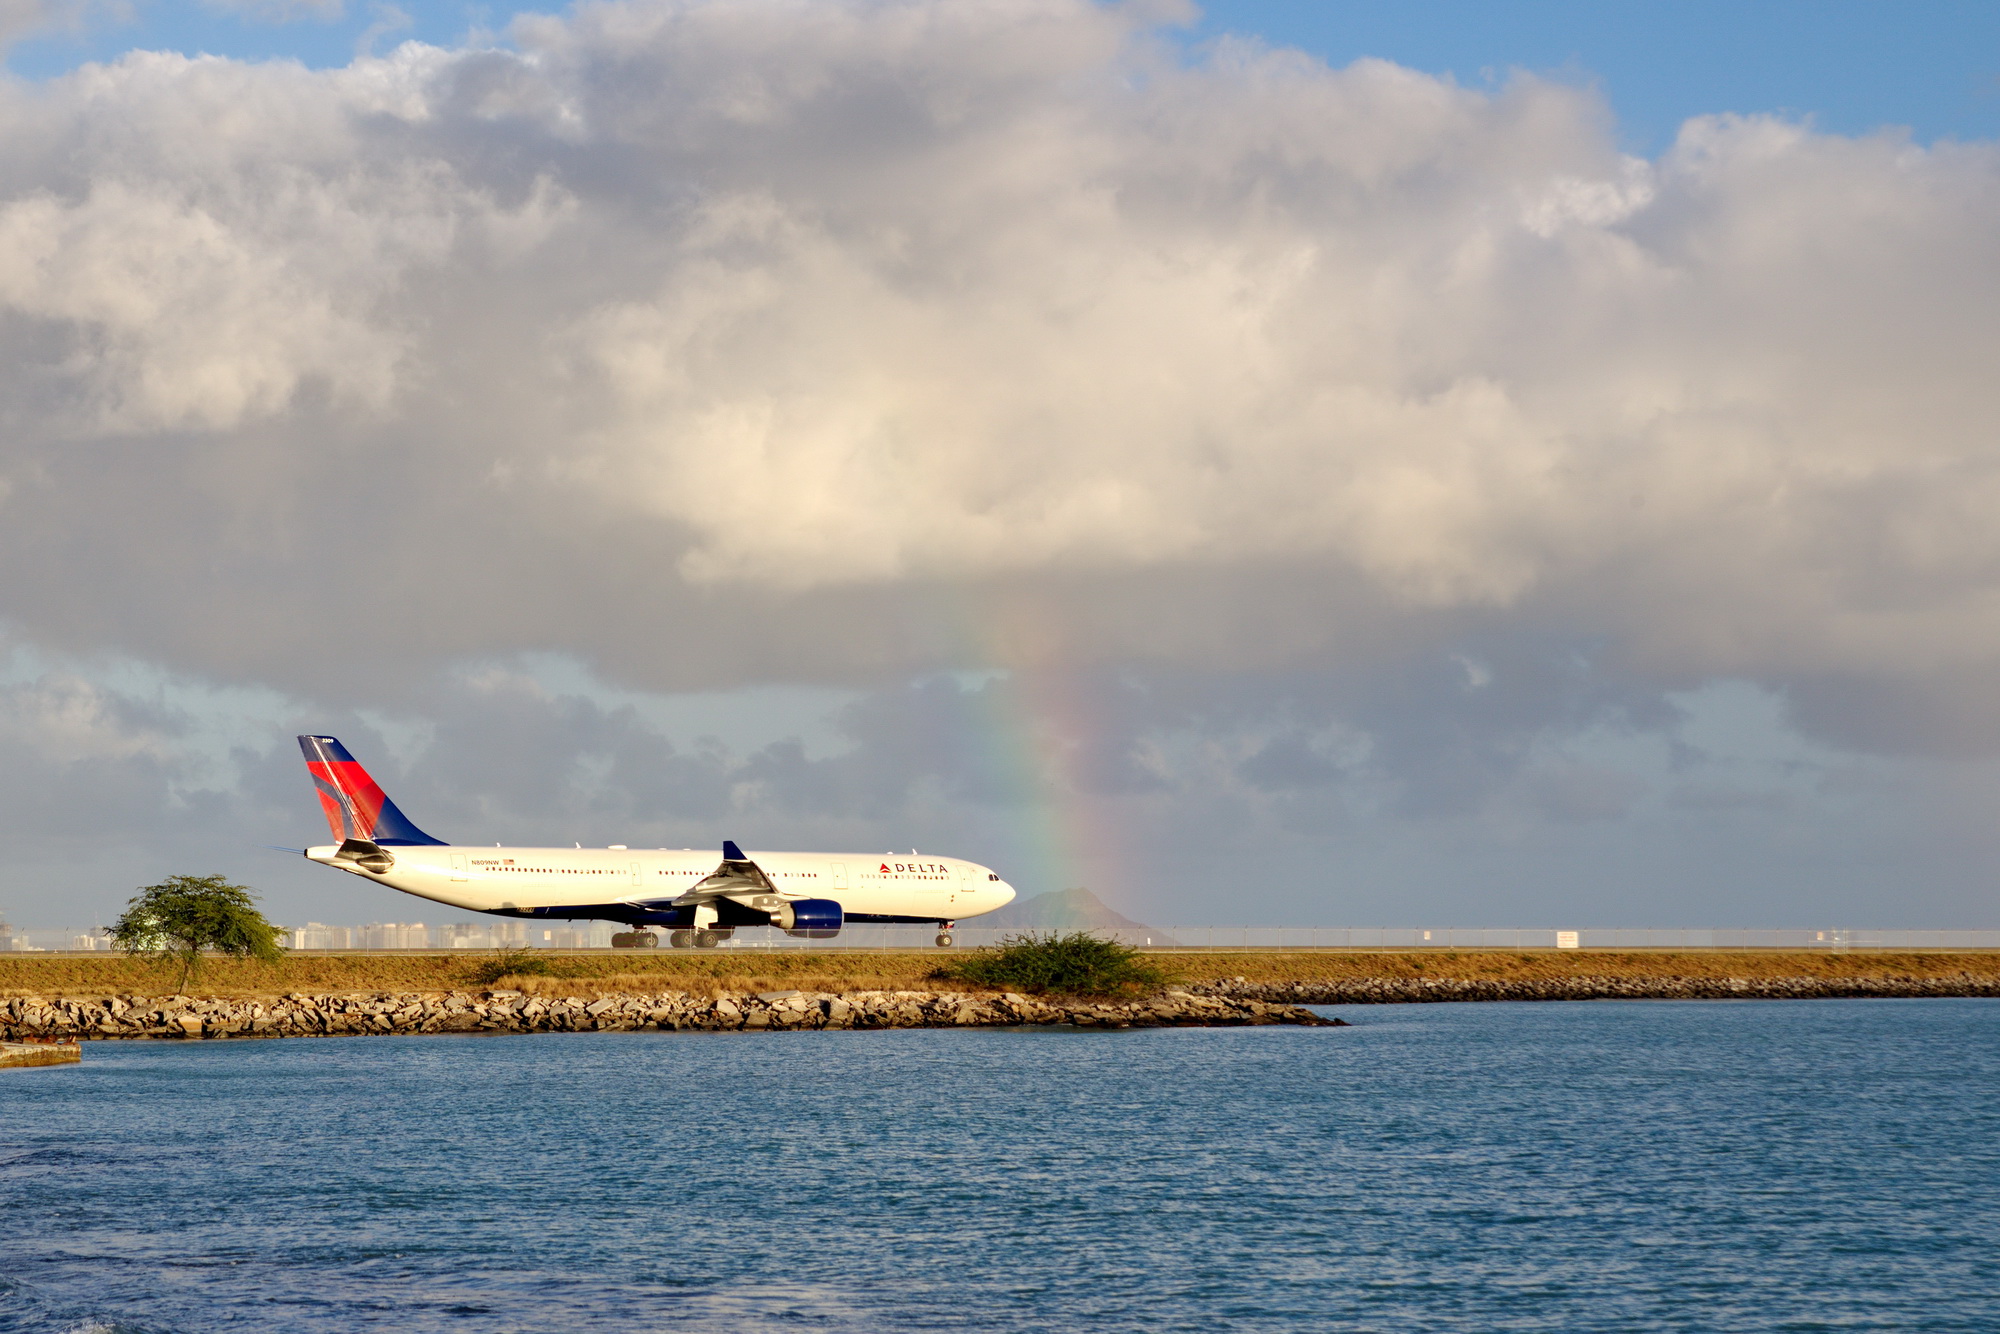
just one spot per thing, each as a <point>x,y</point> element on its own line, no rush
<point>1701,1167</point>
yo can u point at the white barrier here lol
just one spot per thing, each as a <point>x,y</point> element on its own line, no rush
<point>866,937</point>
<point>1414,938</point>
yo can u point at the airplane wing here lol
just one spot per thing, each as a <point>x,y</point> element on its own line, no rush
<point>737,875</point>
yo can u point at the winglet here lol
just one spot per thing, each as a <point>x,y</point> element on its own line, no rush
<point>732,853</point>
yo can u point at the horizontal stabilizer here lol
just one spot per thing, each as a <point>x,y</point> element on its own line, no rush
<point>364,854</point>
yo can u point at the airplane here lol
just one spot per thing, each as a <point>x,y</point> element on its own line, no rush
<point>699,895</point>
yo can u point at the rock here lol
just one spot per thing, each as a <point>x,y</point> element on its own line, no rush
<point>1225,1001</point>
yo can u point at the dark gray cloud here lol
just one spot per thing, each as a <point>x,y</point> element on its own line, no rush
<point>1356,798</point>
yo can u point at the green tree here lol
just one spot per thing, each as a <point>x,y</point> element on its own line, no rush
<point>184,915</point>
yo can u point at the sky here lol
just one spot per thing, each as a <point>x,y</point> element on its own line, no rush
<point>1432,464</point>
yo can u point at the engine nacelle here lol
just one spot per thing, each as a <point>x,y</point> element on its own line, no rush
<point>812,919</point>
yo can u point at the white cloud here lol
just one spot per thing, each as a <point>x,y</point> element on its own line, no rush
<point>711,341</point>
<point>387,19</point>
<point>174,317</point>
<point>65,719</point>
<point>21,19</point>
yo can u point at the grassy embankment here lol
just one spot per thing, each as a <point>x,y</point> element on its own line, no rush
<point>606,974</point>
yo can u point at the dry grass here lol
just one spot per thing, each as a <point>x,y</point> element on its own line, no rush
<point>570,975</point>
<point>1510,965</point>
<point>120,975</point>
<point>707,973</point>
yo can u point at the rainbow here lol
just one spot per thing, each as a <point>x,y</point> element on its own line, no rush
<point>1036,724</point>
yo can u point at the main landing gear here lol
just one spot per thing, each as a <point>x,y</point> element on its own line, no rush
<point>701,940</point>
<point>634,940</point>
<point>944,934</point>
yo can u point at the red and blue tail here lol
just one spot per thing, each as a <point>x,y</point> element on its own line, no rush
<point>355,806</point>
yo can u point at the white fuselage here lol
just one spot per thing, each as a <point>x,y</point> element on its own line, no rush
<point>543,881</point>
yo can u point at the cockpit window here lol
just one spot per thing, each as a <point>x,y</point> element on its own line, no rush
<point>991,876</point>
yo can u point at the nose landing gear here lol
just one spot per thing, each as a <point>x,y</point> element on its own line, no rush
<point>944,934</point>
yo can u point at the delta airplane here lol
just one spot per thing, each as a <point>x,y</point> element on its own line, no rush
<point>700,896</point>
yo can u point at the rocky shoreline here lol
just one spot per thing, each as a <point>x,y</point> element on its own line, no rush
<point>1407,990</point>
<point>1221,1002</point>
<point>388,1013</point>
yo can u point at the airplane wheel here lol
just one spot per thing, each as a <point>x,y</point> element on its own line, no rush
<point>944,939</point>
<point>680,940</point>
<point>706,940</point>
<point>634,940</point>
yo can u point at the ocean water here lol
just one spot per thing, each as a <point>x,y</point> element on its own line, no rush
<point>1720,1166</point>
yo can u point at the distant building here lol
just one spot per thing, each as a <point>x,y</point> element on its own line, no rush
<point>479,935</point>
<point>319,936</point>
<point>394,936</point>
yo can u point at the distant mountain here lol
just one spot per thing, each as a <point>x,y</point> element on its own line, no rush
<point>1070,910</point>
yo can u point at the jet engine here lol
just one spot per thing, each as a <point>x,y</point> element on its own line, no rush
<point>812,919</point>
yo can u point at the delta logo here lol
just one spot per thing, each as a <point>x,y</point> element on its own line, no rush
<point>913,868</point>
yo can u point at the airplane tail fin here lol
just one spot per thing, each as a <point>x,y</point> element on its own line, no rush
<point>355,806</point>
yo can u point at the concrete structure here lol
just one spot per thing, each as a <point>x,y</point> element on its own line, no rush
<point>16,1054</point>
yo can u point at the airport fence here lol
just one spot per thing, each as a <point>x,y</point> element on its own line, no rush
<point>1216,938</point>
<point>1222,938</point>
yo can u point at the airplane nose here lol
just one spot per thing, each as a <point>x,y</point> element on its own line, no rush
<point>1006,895</point>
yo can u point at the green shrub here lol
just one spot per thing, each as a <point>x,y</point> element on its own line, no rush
<point>511,963</point>
<point>1078,964</point>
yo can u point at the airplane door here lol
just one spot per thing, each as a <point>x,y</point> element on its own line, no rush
<point>458,866</point>
<point>839,880</point>
<point>635,874</point>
